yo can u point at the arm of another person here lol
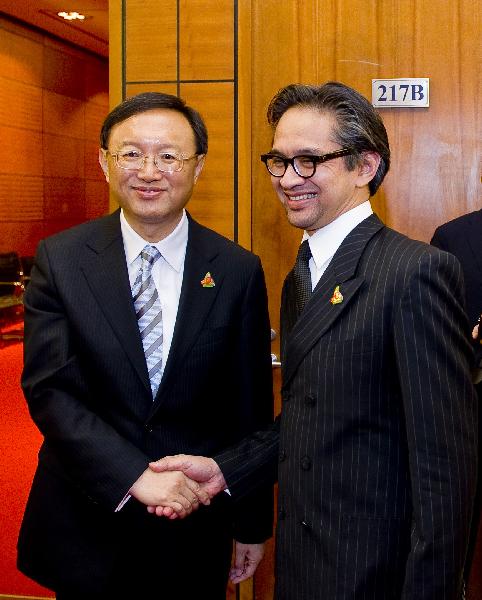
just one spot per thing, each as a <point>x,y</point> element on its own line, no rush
<point>78,442</point>
<point>433,356</point>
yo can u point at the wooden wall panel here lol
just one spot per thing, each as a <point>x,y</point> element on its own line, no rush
<point>212,201</point>
<point>52,98</point>
<point>20,105</point>
<point>435,172</point>
<point>21,61</point>
<point>151,40</point>
<point>206,44</point>
<point>22,143</point>
<point>138,88</point>
<point>196,42</point>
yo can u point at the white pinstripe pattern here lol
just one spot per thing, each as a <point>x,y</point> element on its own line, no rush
<point>377,436</point>
<point>149,315</point>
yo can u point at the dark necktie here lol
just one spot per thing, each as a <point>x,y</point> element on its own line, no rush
<point>149,315</point>
<point>302,276</point>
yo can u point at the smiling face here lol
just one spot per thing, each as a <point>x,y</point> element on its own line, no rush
<point>332,190</point>
<point>152,200</point>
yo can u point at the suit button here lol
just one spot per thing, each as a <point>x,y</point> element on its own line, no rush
<point>310,400</point>
<point>282,455</point>
<point>148,428</point>
<point>286,397</point>
<point>281,515</point>
<point>306,526</point>
<point>305,463</point>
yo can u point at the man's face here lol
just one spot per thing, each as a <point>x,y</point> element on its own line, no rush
<point>152,200</point>
<point>332,190</point>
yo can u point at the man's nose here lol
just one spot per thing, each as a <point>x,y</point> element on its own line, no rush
<point>291,178</point>
<point>149,169</point>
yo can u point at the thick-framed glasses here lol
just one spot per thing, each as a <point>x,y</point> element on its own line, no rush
<point>303,164</point>
<point>133,160</point>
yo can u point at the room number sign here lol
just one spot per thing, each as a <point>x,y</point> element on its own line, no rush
<point>390,93</point>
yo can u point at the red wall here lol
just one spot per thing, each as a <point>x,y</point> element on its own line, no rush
<point>53,99</point>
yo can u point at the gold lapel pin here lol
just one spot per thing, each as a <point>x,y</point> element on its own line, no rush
<point>208,281</point>
<point>337,297</point>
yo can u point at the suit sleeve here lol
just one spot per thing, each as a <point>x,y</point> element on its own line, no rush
<point>254,510</point>
<point>433,356</point>
<point>78,443</point>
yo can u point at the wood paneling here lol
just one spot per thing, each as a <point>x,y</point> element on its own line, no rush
<point>212,201</point>
<point>138,88</point>
<point>53,98</point>
<point>20,104</point>
<point>435,152</point>
<point>24,156</point>
<point>206,41</point>
<point>63,114</point>
<point>151,40</point>
<point>31,206</point>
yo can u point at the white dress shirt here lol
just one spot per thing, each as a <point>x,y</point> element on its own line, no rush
<point>167,272</point>
<point>326,240</point>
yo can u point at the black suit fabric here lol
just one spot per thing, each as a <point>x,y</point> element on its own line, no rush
<point>462,237</point>
<point>86,384</point>
<point>376,441</point>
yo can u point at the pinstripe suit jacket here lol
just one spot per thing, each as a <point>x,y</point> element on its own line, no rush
<point>376,439</point>
<point>86,383</point>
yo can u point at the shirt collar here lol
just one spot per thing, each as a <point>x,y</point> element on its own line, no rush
<point>326,241</point>
<point>172,247</point>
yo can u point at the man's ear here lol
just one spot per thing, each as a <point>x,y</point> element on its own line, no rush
<point>104,165</point>
<point>199,166</point>
<point>367,168</point>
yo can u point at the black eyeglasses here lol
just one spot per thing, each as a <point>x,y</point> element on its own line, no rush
<point>304,165</point>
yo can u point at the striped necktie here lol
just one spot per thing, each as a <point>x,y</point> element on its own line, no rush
<point>149,315</point>
<point>302,276</point>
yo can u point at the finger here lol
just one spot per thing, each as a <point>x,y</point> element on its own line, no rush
<point>168,463</point>
<point>200,494</point>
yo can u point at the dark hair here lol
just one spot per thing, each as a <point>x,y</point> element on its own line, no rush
<point>151,101</point>
<point>359,126</point>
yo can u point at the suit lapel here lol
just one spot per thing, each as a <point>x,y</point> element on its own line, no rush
<point>321,311</point>
<point>194,303</point>
<point>104,267</point>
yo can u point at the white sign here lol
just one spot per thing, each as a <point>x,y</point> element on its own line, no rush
<point>387,93</point>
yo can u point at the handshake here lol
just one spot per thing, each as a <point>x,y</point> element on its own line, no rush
<point>174,486</point>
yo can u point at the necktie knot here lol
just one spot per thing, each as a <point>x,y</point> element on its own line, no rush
<point>304,252</point>
<point>150,254</point>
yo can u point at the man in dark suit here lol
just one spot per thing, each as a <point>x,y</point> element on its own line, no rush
<point>146,334</point>
<point>462,237</point>
<point>376,441</point>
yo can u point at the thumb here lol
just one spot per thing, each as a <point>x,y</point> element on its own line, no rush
<point>168,463</point>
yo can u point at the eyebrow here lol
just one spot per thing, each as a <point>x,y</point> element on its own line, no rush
<point>300,152</point>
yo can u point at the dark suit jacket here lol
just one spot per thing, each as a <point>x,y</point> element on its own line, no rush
<point>376,442</point>
<point>463,238</point>
<point>86,384</point>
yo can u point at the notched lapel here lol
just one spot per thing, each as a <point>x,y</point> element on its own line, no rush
<point>319,313</point>
<point>105,270</point>
<point>195,303</point>
<point>317,318</point>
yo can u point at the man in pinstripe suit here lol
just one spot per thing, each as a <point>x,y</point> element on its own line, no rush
<point>376,441</point>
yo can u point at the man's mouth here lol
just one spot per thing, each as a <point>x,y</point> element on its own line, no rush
<point>300,197</point>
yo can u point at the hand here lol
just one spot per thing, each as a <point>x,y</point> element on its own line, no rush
<point>172,490</point>
<point>246,560</point>
<point>199,468</point>
<point>475,331</point>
